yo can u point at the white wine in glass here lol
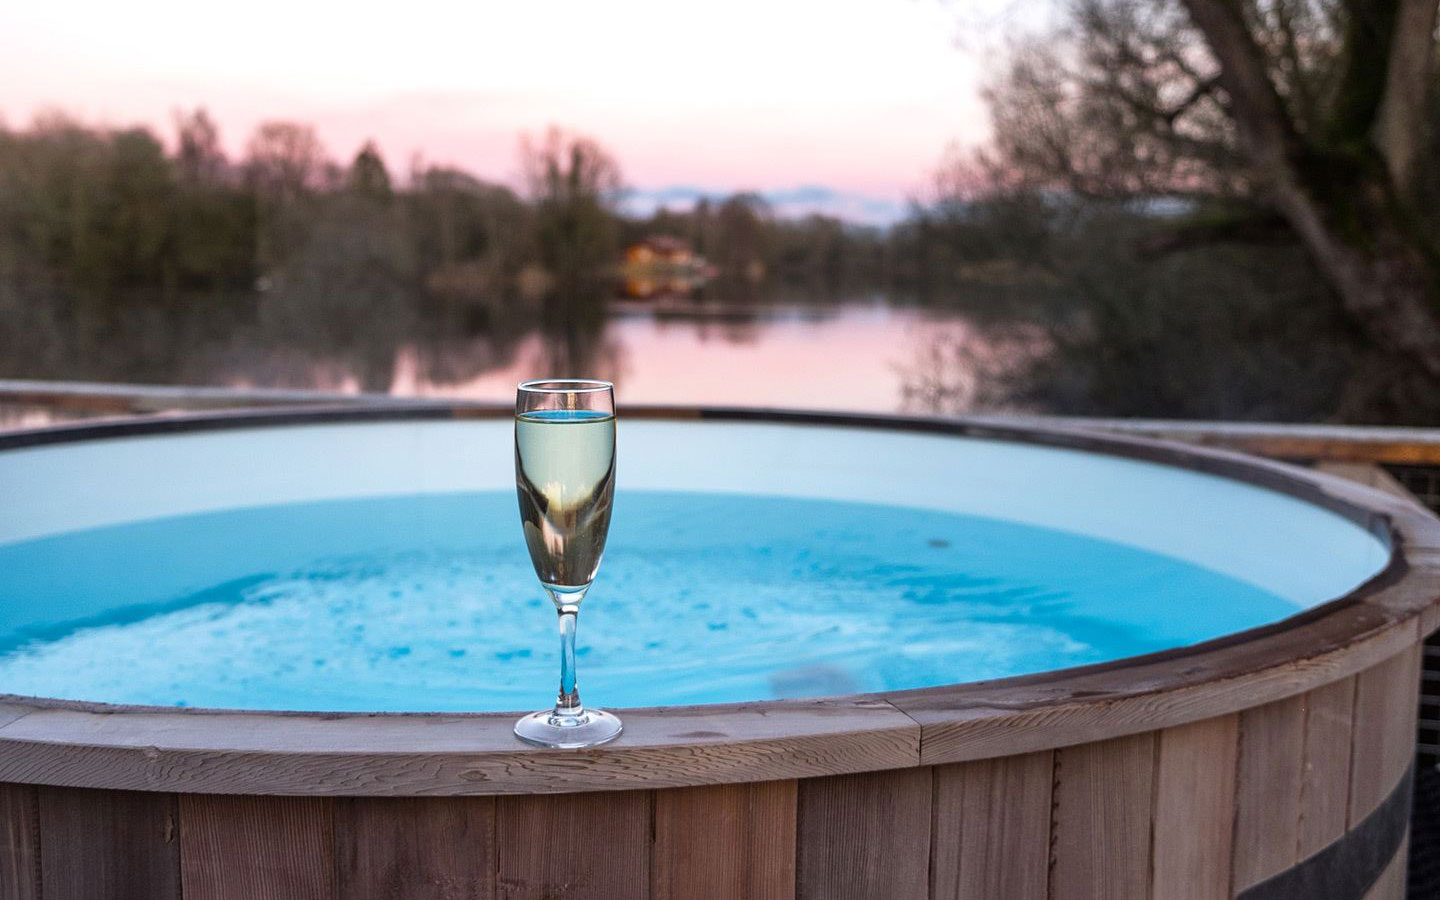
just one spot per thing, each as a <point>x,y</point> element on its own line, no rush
<point>565,478</point>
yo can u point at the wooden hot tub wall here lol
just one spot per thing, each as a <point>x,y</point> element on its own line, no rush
<point>1270,765</point>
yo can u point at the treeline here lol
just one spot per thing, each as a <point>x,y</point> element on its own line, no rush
<point>761,257</point>
<point>117,256</point>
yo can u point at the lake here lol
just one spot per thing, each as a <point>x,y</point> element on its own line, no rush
<point>856,356</point>
<point>865,354</point>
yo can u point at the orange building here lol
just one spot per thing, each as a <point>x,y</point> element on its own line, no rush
<point>663,266</point>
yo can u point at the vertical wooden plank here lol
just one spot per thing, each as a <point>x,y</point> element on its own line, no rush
<point>19,843</point>
<point>418,848</point>
<point>990,828</point>
<point>1194,810</point>
<point>1268,780</point>
<point>256,848</point>
<point>590,846</point>
<point>1391,883</point>
<point>725,841</point>
<point>1325,778</point>
<point>1103,802</point>
<point>865,837</point>
<point>1386,699</point>
<point>111,844</point>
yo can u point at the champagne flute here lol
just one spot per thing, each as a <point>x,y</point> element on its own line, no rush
<point>565,477</point>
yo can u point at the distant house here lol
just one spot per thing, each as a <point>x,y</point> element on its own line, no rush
<point>663,266</point>
<point>659,248</point>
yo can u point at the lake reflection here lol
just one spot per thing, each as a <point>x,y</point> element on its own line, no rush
<point>852,356</point>
<point>865,354</point>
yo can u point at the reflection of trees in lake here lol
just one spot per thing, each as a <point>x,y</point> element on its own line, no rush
<point>572,333</point>
<point>574,187</point>
<point>961,367</point>
<point>350,288</point>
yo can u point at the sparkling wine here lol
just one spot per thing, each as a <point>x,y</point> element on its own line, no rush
<point>565,477</point>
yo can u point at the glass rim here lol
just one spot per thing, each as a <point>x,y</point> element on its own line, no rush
<point>565,386</point>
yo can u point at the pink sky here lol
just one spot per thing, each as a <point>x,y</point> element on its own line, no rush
<point>859,95</point>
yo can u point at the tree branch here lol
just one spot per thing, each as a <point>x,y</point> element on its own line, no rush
<point>1290,50</point>
<point>1199,92</point>
<point>1399,124</point>
<point>1264,123</point>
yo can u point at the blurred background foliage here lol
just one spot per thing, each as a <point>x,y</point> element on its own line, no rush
<point>1232,206</point>
<point>117,257</point>
<point>1116,241</point>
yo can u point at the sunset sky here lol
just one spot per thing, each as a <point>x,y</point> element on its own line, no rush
<point>862,97</point>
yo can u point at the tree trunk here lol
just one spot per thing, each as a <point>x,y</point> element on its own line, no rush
<point>1343,200</point>
<point>1372,256</point>
<point>1399,121</point>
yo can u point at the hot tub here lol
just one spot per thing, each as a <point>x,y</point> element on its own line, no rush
<point>280,655</point>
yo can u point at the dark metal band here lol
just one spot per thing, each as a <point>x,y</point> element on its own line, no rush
<point>1348,868</point>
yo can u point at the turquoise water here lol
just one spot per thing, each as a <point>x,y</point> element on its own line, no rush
<point>429,603</point>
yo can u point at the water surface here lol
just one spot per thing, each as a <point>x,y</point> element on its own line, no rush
<point>429,603</point>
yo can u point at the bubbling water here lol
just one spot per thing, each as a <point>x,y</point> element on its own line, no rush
<point>429,603</point>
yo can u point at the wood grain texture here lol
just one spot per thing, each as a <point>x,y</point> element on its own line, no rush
<point>990,828</point>
<point>256,848</point>
<point>431,848</point>
<point>1360,444</point>
<point>1268,779</point>
<point>865,837</point>
<point>1391,883</point>
<point>725,841</point>
<point>112,844</point>
<point>575,846</point>
<point>1103,798</point>
<point>1194,810</point>
<point>1386,699</point>
<point>19,843</point>
<point>437,755</point>
<point>1414,597</point>
<point>1325,773</point>
<point>1367,473</point>
<point>1041,712</point>
<point>9,712</point>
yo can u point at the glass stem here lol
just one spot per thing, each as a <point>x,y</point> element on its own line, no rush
<point>567,703</point>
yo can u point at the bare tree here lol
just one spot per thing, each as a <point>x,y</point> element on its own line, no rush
<point>1343,182</point>
<point>284,164</point>
<point>1304,115</point>
<point>199,157</point>
<point>575,185</point>
<point>284,160</point>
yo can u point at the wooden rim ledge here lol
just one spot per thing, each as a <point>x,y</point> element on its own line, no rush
<point>78,744</point>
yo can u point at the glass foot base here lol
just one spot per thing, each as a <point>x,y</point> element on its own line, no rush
<point>591,728</point>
